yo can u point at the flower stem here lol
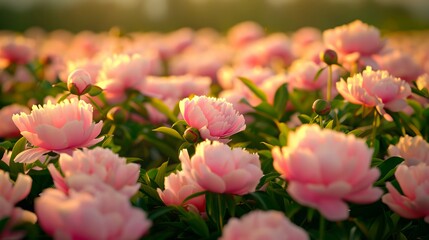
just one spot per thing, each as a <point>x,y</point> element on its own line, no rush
<point>328,92</point>
<point>322,227</point>
<point>375,125</point>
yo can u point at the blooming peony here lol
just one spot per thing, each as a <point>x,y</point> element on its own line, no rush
<point>413,150</point>
<point>83,215</point>
<point>414,182</point>
<point>218,168</point>
<point>215,118</point>
<point>177,188</point>
<point>7,127</point>
<point>96,167</point>
<point>325,168</point>
<point>376,89</point>
<point>244,33</point>
<point>60,127</point>
<point>269,225</point>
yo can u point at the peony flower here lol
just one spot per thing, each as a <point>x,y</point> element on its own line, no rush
<point>269,225</point>
<point>376,89</point>
<point>83,215</point>
<point>244,33</point>
<point>413,150</point>
<point>399,64</point>
<point>16,50</point>
<point>7,127</point>
<point>325,168</point>
<point>79,82</point>
<point>177,188</point>
<point>10,194</point>
<point>414,182</point>
<point>215,118</point>
<point>60,128</point>
<point>97,167</point>
<point>218,168</point>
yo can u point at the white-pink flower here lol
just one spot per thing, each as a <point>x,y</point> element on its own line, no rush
<point>96,168</point>
<point>414,183</point>
<point>105,215</point>
<point>177,187</point>
<point>376,89</point>
<point>60,127</point>
<point>215,118</point>
<point>325,168</point>
<point>268,225</point>
<point>413,150</point>
<point>218,168</point>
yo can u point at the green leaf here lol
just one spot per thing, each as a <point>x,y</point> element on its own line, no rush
<point>164,109</point>
<point>318,74</point>
<point>160,212</point>
<point>215,208</point>
<point>197,224</point>
<point>160,176</point>
<point>6,144</point>
<point>169,131</point>
<point>95,90</point>
<point>263,108</point>
<point>280,100</point>
<point>304,118</point>
<point>387,168</point>
<point>284,131</point>
<point>15,167</point>
<point>257,91</point>
<point>150,192</point>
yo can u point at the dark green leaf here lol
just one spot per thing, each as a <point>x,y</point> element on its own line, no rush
<point>150,192</point>
<point>6,144</point>
<point>169,131</point>
<point>160,176</point>
<point>15,167</point>
<point>95,90</point>
<point>280,100</point>
<point>257,91</point>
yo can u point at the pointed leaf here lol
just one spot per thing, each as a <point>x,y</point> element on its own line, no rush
<point>160,176</point>
<point>95,90</point>
<point>280,100</point>
<point>169,131</point>
<point>257,91</point>
<point>15,167</point>
<point>161,107</point>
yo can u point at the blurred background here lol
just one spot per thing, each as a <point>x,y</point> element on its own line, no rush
<point>168,15</point>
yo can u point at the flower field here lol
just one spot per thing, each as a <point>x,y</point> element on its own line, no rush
<point>197,134</point>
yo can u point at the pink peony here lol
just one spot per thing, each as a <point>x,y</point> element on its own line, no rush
<point>17,50</point>
<point>399,64</point>
<point>79,82</point>
<point>414,182</point>
<point>245,33</point>
<point>376,89</point>
<point>98,166</point>
<point>218,168</point>
<point>215,118</point>
<point>177,188</point>
<point>257,224</point>
<point>413,150</point>
<point>340,170</point>
<point>60,127</point>
<point>7,127</point>
<point>84,215</point>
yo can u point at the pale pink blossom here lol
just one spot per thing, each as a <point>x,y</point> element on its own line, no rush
<point>268,225</point>
<point>84,215</point>
<point>414,183</point>
<point>93,67</point>
<point>177,187</point>
<point>413,150</point>
<point>376,89</point>
<point>7,127</point>
<point>60,127</point>
<point>175,42</point>
<point>79,81</point>
<point>218,168</point>
<point>215,118</point>
<point>399,64</point>
<point>16,50</point>
<point>244,33</point>
<point>325,168</point>
<point>305,38</point>
<point>98,165</point>
<point>227,76</point>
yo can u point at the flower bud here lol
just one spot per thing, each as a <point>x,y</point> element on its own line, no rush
<point>191,135</point>
<point>329,57</point>
<point>321,107</point>
<point>79,82</point>
<point>117,114</point>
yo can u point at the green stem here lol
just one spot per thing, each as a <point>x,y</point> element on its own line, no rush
<point>328,92</point>
<point>322,227</point>
<point>375,124</point>
<point>220,206</point>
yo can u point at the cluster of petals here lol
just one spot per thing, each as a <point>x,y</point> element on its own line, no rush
<point>257,224</point>
<point>376,89</point>
<point>7,127</point>
<point>98,167</point>
<point>79,81</point>
<point>88,215</point>
<point>60,127</point>
<point>215,118</point>
<point>10,194</point>
<point>414,183</point>
<point>332,179</point>
<point>17,50</point>
<point>399,64</point>
<point>177,187</point>
<point>244,33</point>
<point>217,168</point>
<point>413,150</point>
<point>177,87</point>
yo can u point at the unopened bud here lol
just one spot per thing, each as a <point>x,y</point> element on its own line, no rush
<point>321,107</point>
<point>117,115</point>
<point>79,82</point>
<point>191,135</point>
<point>329,57</point>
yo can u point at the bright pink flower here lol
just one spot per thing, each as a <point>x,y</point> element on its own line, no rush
<point>215,118</point>
<point>79,82</point>
<point>99,166</point>
<point>7,127</point>
<point>414,182</point>
<point>83,215</point>
<point>60,127</point>
<point>325,168</point>
<point>177,187</point>
<point>218,168</point>
<point>376,89</point>
<point>413,150</point>
<point>244,33</point>
<point>400,65</point>
<point>257,224</point>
